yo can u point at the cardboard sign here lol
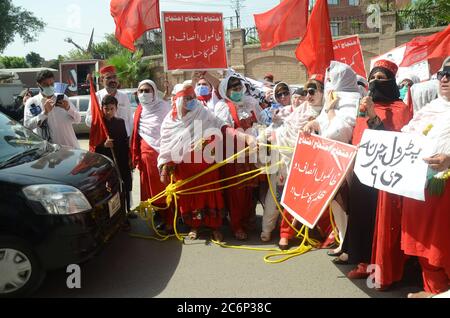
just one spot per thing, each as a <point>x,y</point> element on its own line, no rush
<point>349,51</point>
<point>318,168</point>
<point>392,162</point>
<point>193,41</point>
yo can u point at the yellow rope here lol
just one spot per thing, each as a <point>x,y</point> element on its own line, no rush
<point>333,225</point>
<point>172,192</point>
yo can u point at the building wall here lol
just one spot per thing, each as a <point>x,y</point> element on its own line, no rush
<point>281,61</point>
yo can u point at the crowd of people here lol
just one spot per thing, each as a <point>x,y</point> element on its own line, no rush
<point>374,227</point>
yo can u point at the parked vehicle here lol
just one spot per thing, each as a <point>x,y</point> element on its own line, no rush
<point>58,206</point>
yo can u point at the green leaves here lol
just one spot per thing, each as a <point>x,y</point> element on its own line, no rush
<point>17,21</point>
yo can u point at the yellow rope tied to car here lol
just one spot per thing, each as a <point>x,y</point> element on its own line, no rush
<point>172,192</point>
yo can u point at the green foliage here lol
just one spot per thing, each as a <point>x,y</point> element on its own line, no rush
<point>424,14</point>
<point>102,50</point>
<point>131,68</point>
<point>34,59</point>
<point>17,21</point>
<point>13,62</point>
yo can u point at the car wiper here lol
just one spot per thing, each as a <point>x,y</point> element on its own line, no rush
<point>18,157</point>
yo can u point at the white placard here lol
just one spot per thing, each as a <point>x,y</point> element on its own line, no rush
<point>392,162</point>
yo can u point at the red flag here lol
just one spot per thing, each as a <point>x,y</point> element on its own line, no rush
<point>284,22</point>
<point>98,133</point>
<point>434,48</point>
<point>133,18</point>
<point>315,50</point>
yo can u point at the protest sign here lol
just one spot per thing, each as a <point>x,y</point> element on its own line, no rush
<point>318,168</point>
<point>349,51</point>
<point>193,41</point>
<point>392,162</point>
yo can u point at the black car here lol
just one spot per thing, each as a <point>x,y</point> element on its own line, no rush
<point>58,206</point>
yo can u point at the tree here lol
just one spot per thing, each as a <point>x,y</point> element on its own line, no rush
<point>131,68</point>
<point>34,59</point>
<point>17,21</point>
<point>102,50</point>
<point>13,62</point>
<point>425,14</point>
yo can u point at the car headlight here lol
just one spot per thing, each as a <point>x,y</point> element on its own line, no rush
<point>57,198</point>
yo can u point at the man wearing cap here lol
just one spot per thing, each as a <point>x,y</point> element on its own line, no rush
<point>50,118</point>
<point>110,83</point>
<point>268,78</point>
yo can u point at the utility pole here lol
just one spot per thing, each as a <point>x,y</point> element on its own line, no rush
<point>236,5</point>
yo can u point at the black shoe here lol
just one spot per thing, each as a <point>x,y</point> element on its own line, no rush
<point>331,253</point>
<point>132,215</point>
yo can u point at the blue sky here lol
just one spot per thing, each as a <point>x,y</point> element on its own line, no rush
<point>75,19</point>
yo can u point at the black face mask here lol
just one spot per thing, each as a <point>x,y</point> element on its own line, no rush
<point>384,90</point>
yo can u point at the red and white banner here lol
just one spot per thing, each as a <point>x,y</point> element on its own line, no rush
<point>318,168</point>
<point>193,41</point>
<point>349,51</point>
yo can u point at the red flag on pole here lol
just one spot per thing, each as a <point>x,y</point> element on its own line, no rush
<point>434,48</point>
<point>133,18</point>
<point>284,22</point>
<point>315,50</point>
<point>98,133</point>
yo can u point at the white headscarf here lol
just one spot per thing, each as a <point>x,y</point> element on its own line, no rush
<point>179,135</point>
<point>342,78</point>
<point>153,114</point>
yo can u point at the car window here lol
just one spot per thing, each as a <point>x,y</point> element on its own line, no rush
<point>84,104</point>
<point>14,138</point>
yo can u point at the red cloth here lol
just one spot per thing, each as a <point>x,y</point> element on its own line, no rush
<point>315,50</point>
<point>435,280</point>
<point>425,229</point>
<point>107,69</point>
<point>133,18</point>
<point>394,116</point>
<point>210,202</point>
<point>386,251</point>
<point>98,132</point>
<point>284,22</point>
<point>435,48</point>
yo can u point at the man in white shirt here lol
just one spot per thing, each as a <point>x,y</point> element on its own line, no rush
<point>50,118</point>
<point>111,83</point>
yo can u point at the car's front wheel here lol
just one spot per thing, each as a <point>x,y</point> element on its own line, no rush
<point>20,271</point>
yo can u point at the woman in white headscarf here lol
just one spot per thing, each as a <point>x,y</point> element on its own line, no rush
<point>145,141</point>
<point>336,121</point>
<point>425,224</point>
<point>238,111</point>
<point>286,135</point>
<point>188,140</point>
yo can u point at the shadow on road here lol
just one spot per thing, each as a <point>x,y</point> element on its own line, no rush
<point>127,267</point>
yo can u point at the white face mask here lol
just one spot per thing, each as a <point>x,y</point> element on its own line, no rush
<point>145,98</point>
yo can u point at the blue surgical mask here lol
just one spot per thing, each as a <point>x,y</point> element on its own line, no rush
<point>48,91</point>
<point>236,96</point>
<point>403,92</point>
<point>191,104</point>
<point>202,90</point>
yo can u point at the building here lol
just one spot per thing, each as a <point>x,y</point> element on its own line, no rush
<point>28,75</point>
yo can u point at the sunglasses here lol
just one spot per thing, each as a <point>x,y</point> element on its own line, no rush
<point>144,90</point>
<point>442,74</point>
<point>311,91</point>
<point>282,94</point>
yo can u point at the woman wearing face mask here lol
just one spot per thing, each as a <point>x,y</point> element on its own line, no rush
<point>182,155</point>
<point>145,143</point>
<point>280,108</point>
<point>369,208</point>
<point>238,111</point>
<point>336,121</point>
<point>205,90</point>
<point>286,135</point>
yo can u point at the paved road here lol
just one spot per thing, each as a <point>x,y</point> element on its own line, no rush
<point>130,267</point>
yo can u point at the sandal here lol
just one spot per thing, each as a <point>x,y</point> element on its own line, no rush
<point>240,235</point>
<point>193,234</point>
<point>217,236</point>
<point>283,244</point>
<point>360,272</point>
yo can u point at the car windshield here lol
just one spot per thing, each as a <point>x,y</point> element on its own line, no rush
<point>16,139</point>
